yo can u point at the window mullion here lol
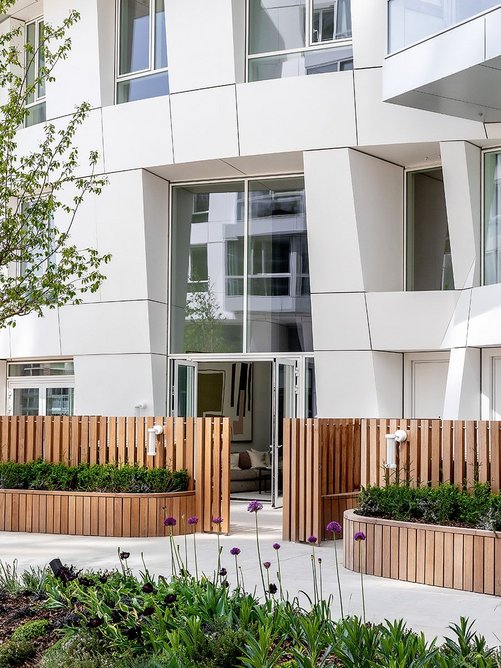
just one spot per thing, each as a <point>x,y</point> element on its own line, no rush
<point>152,36</point>
<point>308,22</point>
<point>246,263</point>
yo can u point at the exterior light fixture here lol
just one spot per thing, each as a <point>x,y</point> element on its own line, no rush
<point>153,432</point>
<point>400,436</point>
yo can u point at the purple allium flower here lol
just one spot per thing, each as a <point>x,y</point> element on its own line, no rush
<point>217,520</point>
<point>148,588</point>
<point>170,521</point>
<point>272,588</point>
<point>359,535</point>
<point>254,506</point>
<point>94,622</point>
<point>124,555</point>
<point>192,520</point>
<point>334,527</point>
<point>235,551</point>
<point>148,611</point>
<point>266,564</point>
<point>276,546</point>
<point>170,599</point>
<point>312,540</point>
<point>223,572</point>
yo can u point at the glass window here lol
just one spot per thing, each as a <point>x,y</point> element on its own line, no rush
<point>411,21</point>
<point>37,388</point>
<point>142,50</point>
<point>429,260</point>
<point>492,218</point>
<point>34,62</point>
<point>207,254</point>
<point>298,37</point>
<point>212,296</point>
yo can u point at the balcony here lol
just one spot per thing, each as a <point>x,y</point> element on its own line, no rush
<point>445,56</point>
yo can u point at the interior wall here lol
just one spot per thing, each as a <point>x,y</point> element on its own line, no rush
<point>261,402</point>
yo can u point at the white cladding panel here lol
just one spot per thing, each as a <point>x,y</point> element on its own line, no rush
<point>368,19</point>
<point>333,246</point>
<point>296,113</point>
<point>114,385</point>
<point>204,124</point>
<point>37,337</point>
<point>340,322</point>
<point>200,44</point>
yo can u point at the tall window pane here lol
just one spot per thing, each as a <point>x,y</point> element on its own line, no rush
<point>492,222</point>
<point>160,35</point>
<point>276,26</point>
<point>207,276</point>
<point>429,261</point>
<point>134,36</point>
<point>279,308</point>
<point>323,21</point>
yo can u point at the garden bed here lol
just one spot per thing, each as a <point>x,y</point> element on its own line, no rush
<point>443,556</point>
<point>93,513</point>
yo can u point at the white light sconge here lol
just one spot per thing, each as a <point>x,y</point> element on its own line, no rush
<point>400,436</point>
<point>138,408</point>
<point>153,432</point>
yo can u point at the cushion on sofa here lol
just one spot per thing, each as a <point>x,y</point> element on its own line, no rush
<point>244,461</point>
<point>257,457</point>
<point>234,459</point>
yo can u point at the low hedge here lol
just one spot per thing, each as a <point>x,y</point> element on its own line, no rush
<point>445,505</point>
<point>91,478</point>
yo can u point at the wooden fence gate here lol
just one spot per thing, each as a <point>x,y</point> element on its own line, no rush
<point>199,445</point>
<point>321,474</point>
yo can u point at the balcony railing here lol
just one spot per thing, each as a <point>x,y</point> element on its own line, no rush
<point>411,21</point>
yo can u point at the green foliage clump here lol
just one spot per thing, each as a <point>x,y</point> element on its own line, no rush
<point>444,504</point>
<point>81,651</point>
<point>15,652</point>
<point>91,478</point>
<point>31,630</point>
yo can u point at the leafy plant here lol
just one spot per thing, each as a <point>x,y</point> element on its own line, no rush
<point>90,478</point>
<point>444,504</point>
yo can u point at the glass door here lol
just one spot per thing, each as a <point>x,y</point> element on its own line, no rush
<point>40,398</point>
<point>285,407</point>
<point>185,389</point>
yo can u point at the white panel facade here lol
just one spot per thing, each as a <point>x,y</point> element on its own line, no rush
<point>283,273</point>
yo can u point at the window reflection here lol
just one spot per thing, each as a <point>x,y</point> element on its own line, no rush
<point>492,224</point>
<point>209,281</point>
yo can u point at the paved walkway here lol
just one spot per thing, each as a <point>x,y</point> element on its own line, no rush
<point>427,609</point>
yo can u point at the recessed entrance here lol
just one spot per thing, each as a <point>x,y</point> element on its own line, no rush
<point>256,395</point>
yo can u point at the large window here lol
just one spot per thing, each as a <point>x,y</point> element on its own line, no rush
<point>240,275</point>
<point>142,50</point>
<point>40,388</point>
<point>429,260</point>
<point>34,61</point>
<point>297,37</point>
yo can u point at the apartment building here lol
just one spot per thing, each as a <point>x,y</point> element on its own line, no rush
<point>303,208</point>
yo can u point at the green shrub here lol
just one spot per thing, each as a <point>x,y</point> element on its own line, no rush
<point>31,630</point>
<point>91,478</point>
<point>15,653</point>
<point>444,504</point>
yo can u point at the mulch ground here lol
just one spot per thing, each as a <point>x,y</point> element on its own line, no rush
<point>16,610</point>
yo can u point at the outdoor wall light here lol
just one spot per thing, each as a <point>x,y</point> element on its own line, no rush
<point>153,432</point>
<point>400,436</point>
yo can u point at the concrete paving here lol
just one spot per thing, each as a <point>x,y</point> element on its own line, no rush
<point>426,609</point>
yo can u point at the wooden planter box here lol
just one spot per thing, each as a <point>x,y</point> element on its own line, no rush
<point>93,514</point>
<point>458,558</point>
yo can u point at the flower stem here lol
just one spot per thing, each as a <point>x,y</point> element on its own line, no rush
<point>195,553</point>
<point>361,578</point>
<point>279,577</point>
<point>338,580</point>
<point>259,559</point>
<point>236,570</point>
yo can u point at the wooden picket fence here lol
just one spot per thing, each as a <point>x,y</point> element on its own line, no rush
<point>326,462</point>
<point>458,451</point>
<point>321,474</point>
<point>199,445</point>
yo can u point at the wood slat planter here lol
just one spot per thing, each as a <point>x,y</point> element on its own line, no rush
<point>93,514</point>
<point>454,557</point>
